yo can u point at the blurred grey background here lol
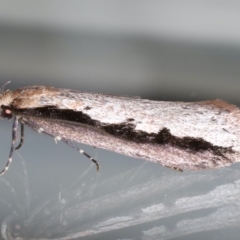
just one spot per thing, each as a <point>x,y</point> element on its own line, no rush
<point>165,50</point>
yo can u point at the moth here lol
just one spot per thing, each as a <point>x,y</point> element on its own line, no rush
<point>179,135</point>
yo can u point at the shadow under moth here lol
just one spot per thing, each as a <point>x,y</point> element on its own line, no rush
<point>179,135</point>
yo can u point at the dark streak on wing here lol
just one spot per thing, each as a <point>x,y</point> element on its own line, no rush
<point>125,130</point>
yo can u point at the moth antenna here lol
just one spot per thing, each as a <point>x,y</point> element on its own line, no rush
<point>14,137</point>
<point>82,152</point>
<point>22,137</point>
<point>3,86</point>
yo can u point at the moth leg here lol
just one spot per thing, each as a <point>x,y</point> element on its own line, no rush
<point>82,152</point>
<point>174,168</point>
<point>22,136</point>
<point>14,137</point>
<point>177,169</point>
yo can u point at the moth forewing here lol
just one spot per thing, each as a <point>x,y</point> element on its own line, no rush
<point>180,135</point>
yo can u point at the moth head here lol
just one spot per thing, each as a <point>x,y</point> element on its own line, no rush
<point>6,112</point>
<point>5,100</point>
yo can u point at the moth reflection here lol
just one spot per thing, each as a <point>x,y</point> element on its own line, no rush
<point>136,203</point>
